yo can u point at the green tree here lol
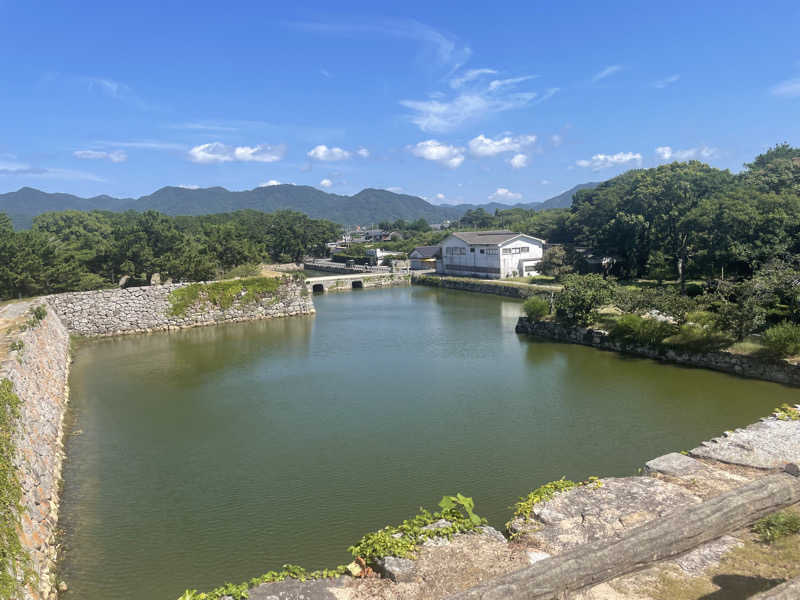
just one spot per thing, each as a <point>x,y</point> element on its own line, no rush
<point>581,296</point>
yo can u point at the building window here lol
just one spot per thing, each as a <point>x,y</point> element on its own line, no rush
<point>491,251</point>
<point>515,251</point>
<point>482,250</point>
<point>506,250</point>
<point>524,249</point>
<point>472,250</point>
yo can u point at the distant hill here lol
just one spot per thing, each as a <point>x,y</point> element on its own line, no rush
<point>367,206</point>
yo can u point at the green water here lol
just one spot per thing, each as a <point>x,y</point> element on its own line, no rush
<point>216,454</point>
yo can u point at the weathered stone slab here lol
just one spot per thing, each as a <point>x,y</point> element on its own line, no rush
<point>675,465</point>
<point>699,477</point>
<point>602,510</point>
<point>397,569</point>
<point>708,555</point>
<point>769,444</point>
<point>292,589</point>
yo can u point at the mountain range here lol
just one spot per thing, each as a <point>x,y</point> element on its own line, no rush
<point>367,206</point>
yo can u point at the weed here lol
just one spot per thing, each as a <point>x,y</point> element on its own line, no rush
<point>776,526</point>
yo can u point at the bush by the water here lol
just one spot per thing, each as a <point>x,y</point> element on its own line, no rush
<point>633,329</point>
<point>582,295</point>
<point>783,339</point>
<point>536,308</point>
<point>700,333</point>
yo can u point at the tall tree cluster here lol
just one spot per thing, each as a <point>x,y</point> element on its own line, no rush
<point>74,250</point>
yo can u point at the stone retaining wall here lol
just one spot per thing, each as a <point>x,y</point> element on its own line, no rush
<point>779,371</point>
<point>146,309</point>
<point>39,375</point>
<point>499,289</point>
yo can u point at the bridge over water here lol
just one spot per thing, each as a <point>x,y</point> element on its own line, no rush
<point>357,281</point>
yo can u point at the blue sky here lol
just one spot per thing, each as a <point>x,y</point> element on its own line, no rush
<point>454,102</point>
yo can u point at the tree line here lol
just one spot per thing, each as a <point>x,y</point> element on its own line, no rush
<point>74,250</point>
<point>677,221</point>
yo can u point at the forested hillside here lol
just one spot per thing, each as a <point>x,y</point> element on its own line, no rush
<point>364,208</point>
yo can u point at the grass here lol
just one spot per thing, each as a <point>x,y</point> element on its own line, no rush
<point>221,293</point>
<point>743,572</point>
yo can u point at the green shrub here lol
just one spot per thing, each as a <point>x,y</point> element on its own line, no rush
<point>783,339</point>
<point>633,329</point>
<point>581,296</point>
<point>536,308</point>
<point>245,270</point>
<point>221,293</point>
<point>700,333</point>
<point>777,525</point>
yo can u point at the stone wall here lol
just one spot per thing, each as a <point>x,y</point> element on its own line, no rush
<point>475,285</point>
<point>146,309</point>
<point>39,375</point>
<point>779,371</point>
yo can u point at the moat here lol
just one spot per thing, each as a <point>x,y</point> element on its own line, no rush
<point>216,454</point>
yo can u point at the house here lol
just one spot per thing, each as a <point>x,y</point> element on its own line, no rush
<point>490,254</point>
<point>424,257</point>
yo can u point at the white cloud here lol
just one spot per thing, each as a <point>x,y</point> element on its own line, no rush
<point>116,90</point>
<point>667,81</point>
<point>789,88</point>
<point>440,113</point>
<point>116,156</point>
<point>502,194</point>
<point>270,183</point>
<point>326,183</point>
<point>556,139</point>
<point>667,153</point>
<point>446,50</point>
<point>496,84</point>
<point>211,153</point>
<point>145,145</point>
<point>604,161</point>
<point>322,152</point>
<point>441,116</point>
<point>607,72</point>
<point>472,74</point>
<point>518,161</point>
<point>188,186</point>
<point>449,156</point>
<point>217,152</point>
<point>260,153</point>
<point>363,152</point>
<point>395,188</point>
<point>545,182</point>
<point>18,169</point>
<point>484,146</point>
<point>440,196</point>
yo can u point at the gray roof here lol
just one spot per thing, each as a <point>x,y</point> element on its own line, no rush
<point>427,251</point>
<point>486,237</point>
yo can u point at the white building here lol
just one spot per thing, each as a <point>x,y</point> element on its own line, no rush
<point>490,254</point>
